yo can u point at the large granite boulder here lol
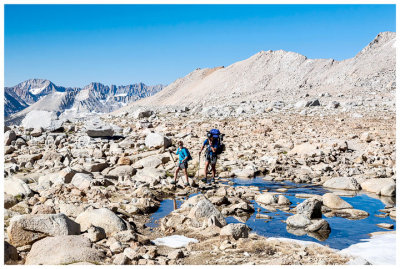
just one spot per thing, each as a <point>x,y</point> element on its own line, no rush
<point>204,210</point>
<point>381,186</point>
<point>16,187</point>
<point>298,221</point>
<point>103,218</point>
<point>9,136</point>
<point>335,202</point>
<point>156,140</point>
<point>310,208</point>
<point>267,198</point>
<point>97,128</point>
<point>26,229</point>
<point>344,183</point>
<point>63,250</point>
<point>235,230</point>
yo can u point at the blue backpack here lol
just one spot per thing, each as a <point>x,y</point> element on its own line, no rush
<point>219,137</point>
<point>189,156</point>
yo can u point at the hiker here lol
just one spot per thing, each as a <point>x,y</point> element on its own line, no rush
<point>184,157</point>
<point>211,155</point>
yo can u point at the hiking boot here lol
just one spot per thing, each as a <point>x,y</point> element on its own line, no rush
<point>204,180</point>
<point>213,180</point>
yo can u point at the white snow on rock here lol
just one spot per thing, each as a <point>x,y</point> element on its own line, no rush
<point>380,249</point>
<point>174,241</point>
<point>36,91</point>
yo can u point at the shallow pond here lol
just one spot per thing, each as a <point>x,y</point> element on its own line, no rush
<point>344,232</point>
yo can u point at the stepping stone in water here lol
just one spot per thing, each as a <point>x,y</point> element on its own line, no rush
<point>281,190</point>
<point>385,225</point>
<point>263,216</point>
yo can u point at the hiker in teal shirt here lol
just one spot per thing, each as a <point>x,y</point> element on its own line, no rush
<point>184,157</point>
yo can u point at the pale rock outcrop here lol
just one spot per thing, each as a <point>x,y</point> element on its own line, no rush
<point>335,202</point>
<point>156,140</point>
<point>65,249</point>
<point>235,230</point>
<point>103,218</point>
<point>26,229</point>
<point>344,183</point>
<point>16,187</point>
<point>9,136</point>
<point>376,185</point>
<point>204,210</point>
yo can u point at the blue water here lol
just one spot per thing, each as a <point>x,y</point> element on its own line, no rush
<point>166,207</point>
<point>344,232</point>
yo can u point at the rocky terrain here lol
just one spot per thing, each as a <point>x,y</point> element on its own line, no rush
<point>93,187</point>
<point>83,190</point>
<point>40,94</point>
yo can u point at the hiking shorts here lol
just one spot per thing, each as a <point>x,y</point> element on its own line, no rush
<point>211,159</point>
<point>183,165</point>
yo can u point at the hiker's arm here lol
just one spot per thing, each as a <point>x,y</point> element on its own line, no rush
<point>202,147</point>
<point>214,149</point>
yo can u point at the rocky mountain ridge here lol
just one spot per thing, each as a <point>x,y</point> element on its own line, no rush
<point>285,76</point>
<point>39,94</point>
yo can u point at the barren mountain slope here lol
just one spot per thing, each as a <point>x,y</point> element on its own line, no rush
<point>281,75</point>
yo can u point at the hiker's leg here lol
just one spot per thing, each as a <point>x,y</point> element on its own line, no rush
<point>186,175</point>
<point>176,173</point>
<point>213,170</point>
<point>206,169</point>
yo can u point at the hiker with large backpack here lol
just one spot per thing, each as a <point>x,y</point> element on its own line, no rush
<point>214,146</point>
<point>184,157</point>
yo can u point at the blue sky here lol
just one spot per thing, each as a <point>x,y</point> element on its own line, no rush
<point>73,45</point>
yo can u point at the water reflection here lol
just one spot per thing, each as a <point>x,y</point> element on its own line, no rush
<point>347,226</point>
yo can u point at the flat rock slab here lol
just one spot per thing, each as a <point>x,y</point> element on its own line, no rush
<point>376,185</point>
<point>343,183</point>
<point>335,202</point>
<point>103,218</point>
<point>67,249</point>
<point>26,229</point>
<point>16,187</point>
<point>98,128</point>
<point>386,225</point>
<point>174,241</point>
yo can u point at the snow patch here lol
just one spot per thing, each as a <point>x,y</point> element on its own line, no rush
<point>121,94</point>
<point>379,249</point>
<point>36,91</point>
<point>174,241</point>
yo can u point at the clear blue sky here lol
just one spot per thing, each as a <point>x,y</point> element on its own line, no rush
<point>73,45</point>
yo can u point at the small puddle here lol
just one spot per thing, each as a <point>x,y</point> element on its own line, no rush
<point>344,232</point>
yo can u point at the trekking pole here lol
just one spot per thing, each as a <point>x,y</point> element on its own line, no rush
<point>198,170</point>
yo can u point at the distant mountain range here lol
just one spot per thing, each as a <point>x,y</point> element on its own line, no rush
<point>41,94</point>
